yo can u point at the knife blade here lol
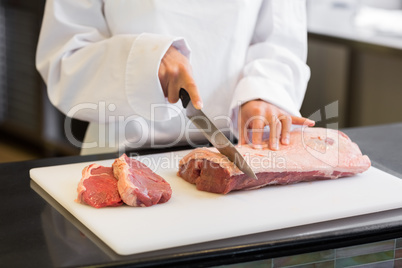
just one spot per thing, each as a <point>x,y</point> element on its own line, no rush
<point>214,135</point>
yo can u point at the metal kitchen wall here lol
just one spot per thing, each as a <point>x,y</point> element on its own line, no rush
<point>20,85</point>
<point>25,111</point>
<point>2,64</point>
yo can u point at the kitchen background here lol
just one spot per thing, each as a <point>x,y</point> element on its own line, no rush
<point>355,56</point>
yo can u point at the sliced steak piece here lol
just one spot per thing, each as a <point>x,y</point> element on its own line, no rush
<point>98,187</point>
<point>313,154</point>
<point>138,185</point>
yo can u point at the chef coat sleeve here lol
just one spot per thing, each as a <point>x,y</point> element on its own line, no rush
<point>95,76</point>
<point>275,68</point>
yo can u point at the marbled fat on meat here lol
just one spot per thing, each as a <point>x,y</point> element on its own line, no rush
<point>313,154</point>
<point>138,185</point>
<point>98,187</point>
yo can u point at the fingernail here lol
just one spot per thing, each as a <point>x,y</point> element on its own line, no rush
<point>286,140</point>
<point>199,105</point>
<point>275,145</point>
<point>257,146</point>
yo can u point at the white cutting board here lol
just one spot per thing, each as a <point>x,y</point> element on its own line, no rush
<point>193,216</point>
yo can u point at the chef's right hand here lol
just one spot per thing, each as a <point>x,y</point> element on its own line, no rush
<point>175,73</point>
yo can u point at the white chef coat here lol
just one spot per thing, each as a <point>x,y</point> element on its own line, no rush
<point>100,61</point>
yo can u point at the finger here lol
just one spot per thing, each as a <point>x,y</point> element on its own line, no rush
<point>162,78</point>
<point>278,132</point>
<point>187,82</point>
<point>173,91</point>
<point>257,126</point>
<point>195,97</point>
<point>296,120</point>
<point>242,131</point>
<point>274,132</point>
<point>286,121</point>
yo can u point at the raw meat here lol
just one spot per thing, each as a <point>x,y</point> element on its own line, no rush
<point>98,187</point>
<point>138,185</point>
<point>313,154</point>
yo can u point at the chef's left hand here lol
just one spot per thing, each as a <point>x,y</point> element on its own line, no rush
<point>256,114</point>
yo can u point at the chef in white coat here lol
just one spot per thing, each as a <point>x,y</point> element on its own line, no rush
<point>120,64</point>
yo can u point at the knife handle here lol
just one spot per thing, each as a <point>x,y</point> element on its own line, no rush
<point>184,97</point>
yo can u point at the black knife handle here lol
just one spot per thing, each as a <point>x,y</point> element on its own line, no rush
<point>184,97</point>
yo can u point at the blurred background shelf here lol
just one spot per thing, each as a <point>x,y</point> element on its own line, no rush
<point>357,67</point>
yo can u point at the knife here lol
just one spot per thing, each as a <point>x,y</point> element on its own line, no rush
<point>214,135</point>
